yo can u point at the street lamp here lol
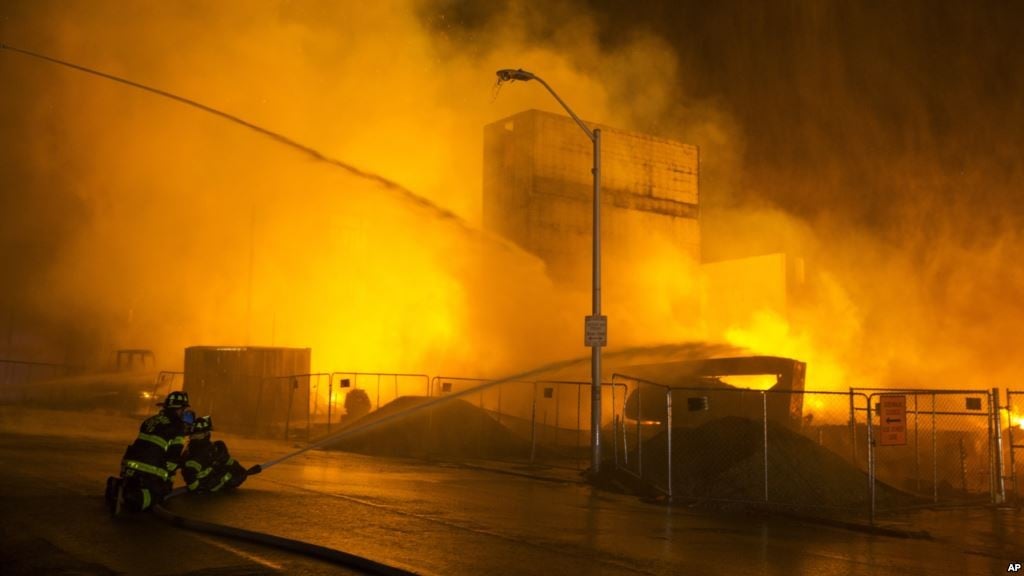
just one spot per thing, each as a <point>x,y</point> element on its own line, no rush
<point>595,326</point>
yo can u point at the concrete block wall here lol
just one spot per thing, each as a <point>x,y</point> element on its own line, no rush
<point>538,191</point>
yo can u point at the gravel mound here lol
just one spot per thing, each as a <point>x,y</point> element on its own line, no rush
<point>723,460</point>
<point>452,429</point>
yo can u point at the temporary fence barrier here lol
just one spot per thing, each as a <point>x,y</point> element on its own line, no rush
<point>770,447</point>
<point>816,450</point>
<point>289,400</point>
<point>166,382</point>
<point>18,372</point>
<point>380,388</point>
<point>1015,444</point>
<point>502,402</point>
<point>941,446</point>
<point>553,414</point>
<point>566,435</point>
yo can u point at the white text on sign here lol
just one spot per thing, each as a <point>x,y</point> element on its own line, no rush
<point>892,410</point>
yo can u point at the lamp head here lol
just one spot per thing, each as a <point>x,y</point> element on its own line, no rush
<point>508,75</point>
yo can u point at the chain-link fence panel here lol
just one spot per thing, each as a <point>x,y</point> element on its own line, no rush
<point>165,383</point>
<point>351,395</point>
<point>283,406</point>
<point>18,376</point>
<point>932,447</point>
<point>552,417</point>
<point>484,419</point>
<point>1015,446</point>
<point>466,419</point>
<point>813,461</point>
<point>562,422</point>
<point>696,443</point>
<point>778,448</point>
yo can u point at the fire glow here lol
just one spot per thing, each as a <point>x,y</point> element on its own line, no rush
<point>175,228</point>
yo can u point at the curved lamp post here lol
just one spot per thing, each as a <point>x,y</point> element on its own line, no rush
<point>596,325</point>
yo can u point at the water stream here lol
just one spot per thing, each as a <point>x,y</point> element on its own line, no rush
<point>640,354</point>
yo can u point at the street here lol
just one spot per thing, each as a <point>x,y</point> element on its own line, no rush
<point>429,518</point>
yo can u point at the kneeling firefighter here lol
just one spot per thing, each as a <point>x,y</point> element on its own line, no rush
<point>208,465</point>
<point>149,463</point>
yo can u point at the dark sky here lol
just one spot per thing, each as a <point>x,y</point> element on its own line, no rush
<point>891,133</point>
<point>848,106</point>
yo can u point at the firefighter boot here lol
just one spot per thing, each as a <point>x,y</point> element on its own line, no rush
<point>110,495</point>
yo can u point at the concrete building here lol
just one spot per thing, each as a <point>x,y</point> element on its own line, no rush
<point>538,192</point>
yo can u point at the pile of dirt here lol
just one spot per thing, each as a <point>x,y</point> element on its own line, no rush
<point>450,429</point>
<point>723,460</point>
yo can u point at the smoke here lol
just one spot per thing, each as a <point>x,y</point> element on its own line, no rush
<point>876,142</point>
<point>150,224</point>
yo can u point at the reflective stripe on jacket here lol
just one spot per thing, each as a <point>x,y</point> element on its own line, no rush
<point>146,468</point>
<point>159,444</point>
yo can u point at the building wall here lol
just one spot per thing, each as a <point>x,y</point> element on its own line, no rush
<point>538,192</point>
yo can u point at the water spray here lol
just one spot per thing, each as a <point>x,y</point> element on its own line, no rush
<point>317,155</point>
<point>358,428</point>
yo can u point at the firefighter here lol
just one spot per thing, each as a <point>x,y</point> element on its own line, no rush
<point>208,465</point>
<point>149,463</point>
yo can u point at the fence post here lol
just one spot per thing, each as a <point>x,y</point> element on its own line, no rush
<point>853,427</point>
<point>1013,447</point>
<point>330,400</point>
<point>579,425</point>
<point>935,455</point>
<point>963,466</point>
<point>991,446</point>
<point>288,417</point>
<point>625,446</point>
<point>917,449</point>
<point>558,418</point>
<point>871,460</point>
<point>615,429</point>
<point>764,437</point>
<point>668,422</point>
<point>639,431</point>
<point>533,425</point>
<point>1000,494</point>
<point>314,396</point>
<point>259,405</point>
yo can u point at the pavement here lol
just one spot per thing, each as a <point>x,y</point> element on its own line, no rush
<point>431,518</point>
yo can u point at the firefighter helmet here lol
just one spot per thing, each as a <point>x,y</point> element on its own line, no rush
<point>202,425</point>
<point>175,399</point>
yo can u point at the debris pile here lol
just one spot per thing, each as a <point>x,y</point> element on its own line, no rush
<point>724,460</point>
<point>452,429</point>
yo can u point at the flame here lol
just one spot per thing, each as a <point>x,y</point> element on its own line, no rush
<point>1016,419</point>
<point>769,333</point>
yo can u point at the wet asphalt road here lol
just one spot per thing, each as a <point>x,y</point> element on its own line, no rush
<point>52,521</point>
<point>432,519</point>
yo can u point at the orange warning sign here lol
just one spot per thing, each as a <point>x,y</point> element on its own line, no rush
<point>892,411</point>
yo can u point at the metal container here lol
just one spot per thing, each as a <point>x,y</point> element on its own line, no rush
<point>250,390</point>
